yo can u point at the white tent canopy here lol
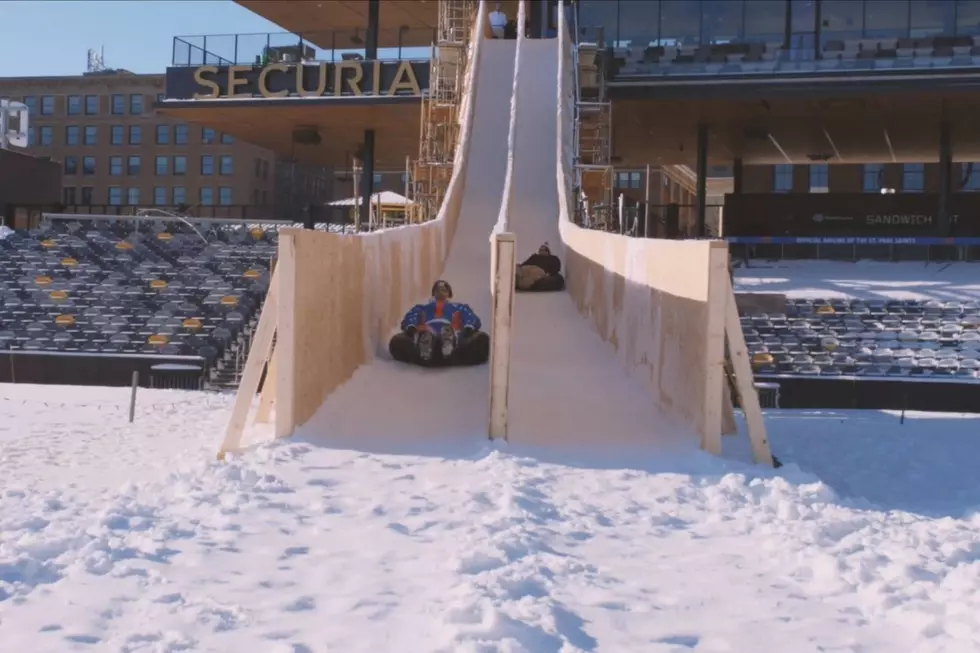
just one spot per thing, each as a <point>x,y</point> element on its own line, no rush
<point>384,198</point>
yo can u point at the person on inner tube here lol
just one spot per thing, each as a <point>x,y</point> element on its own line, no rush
<point>440,332</point>
<point>541,272</point>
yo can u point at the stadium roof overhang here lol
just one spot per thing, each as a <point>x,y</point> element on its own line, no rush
<point>339,127</point>
<point>766,124</point>
<point>316,19</point>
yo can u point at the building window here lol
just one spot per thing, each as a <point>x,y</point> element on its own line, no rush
<point>31,136</point>
<point>970,177</point>
<point>47,135</point>
<point>163,134</point>
<point>87,194</point>
<point>209,136</point>
<point>180,134</point>
<point>227,164</point>
<point>118,105</point>
<point>74,105</point>
<point>159,195</point>
<point>71,165</point>
<point>72,135</point>
<point>31,103</point>
<point>91,135</point>
<point>207,164</point>
<point>207,196</point>
<point>115,195</point>
<point>88,165</point>
<point>161,165</point>
<point>913,177</point>
<point>69,195</point>
<point>377,179</point>
<point>116,136</point>
<point>224,196</point>
<point>133,196</point>
<point>623,179</point>
<point>92,105</point>
<point>782,178</point>
<point>180,165</point>
<point>47,105</point>
<point>135,135</point>
<point>819,177</point>
<point>874,176</point>
<point>227,139</point>
<point>180,195</point>
<point>133,165</point>
<point>136,104</point>
<point>115,166</point>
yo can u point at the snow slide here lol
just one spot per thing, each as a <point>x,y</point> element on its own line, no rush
<point>407,395</point>
<point>566,384</point>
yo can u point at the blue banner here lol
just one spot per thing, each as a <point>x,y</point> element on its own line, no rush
<point>850,240</point>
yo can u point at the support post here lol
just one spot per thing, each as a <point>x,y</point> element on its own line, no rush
<point>943,221</point>
<point>646,206</point>
<point>737,178</point>
<point>259,353</point>
<point>503,255</point>
<point>702,180</point>
<point>367,175</point>
<point>374,20</point>
<point>132,398</point>
<point>744,380</point>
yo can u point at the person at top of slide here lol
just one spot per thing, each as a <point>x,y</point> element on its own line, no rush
<point>440,332</point>
<point>541,272</point>
<point>498,22</point>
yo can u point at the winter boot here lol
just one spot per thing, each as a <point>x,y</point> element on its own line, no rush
<point>448,336</point>
<point>425,344</point>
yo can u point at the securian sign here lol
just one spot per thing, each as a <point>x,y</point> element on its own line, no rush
<point>276,80</point>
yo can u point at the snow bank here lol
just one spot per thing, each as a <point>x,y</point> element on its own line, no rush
<point>862,280</point>
<point>867,540</point>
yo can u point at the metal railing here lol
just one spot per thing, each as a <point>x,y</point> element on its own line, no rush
<point>286,47</point>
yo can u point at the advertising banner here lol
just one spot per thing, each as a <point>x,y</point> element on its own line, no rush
<point>868,215</point>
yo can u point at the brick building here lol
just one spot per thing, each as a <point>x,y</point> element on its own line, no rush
<point>115,149</point>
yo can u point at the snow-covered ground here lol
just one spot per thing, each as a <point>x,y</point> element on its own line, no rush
<point>119,537</point>
<point>863,279</point>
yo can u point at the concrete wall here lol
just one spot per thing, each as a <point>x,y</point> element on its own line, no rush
<point>658,303</point>
<point>341,296</point>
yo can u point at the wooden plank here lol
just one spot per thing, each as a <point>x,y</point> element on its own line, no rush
<point>711,426</point>
<point>744,382</point>
<point>504,255</point>
<point>257,357</point>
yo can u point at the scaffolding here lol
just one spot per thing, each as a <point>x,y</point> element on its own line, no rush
<point>439,130</point>
<point>593,139</point>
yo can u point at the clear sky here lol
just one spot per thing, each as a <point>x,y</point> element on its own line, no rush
<point>52,38</point>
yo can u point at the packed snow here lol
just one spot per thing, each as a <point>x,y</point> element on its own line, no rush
<point>131,537</point>
<point>862,280</point>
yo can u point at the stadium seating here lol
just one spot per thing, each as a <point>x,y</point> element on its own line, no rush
<point>836,54</point>
<point>103,287</point>
<point>876,338</point>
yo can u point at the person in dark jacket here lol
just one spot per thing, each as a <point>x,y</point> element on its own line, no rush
<point>541,272</point>
<point>440,333</point>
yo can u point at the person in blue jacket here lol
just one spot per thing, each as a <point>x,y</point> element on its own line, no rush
<point>440,332</point>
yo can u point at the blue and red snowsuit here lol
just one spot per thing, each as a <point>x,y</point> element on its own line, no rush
<point>436,313</point>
